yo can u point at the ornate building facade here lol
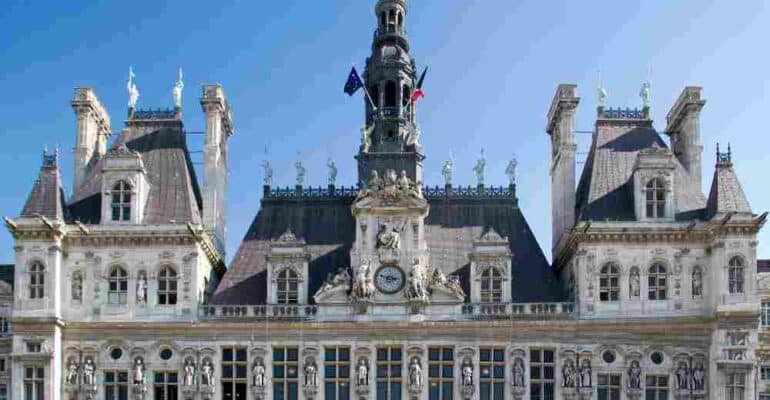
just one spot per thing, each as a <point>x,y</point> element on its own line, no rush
<point>390,289</point>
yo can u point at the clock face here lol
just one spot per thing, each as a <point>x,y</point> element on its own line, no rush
<point>389,279</point>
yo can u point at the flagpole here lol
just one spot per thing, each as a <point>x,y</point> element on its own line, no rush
<point>366,92</point>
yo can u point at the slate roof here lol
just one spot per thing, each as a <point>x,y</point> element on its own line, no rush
<point>763,265</point>
<point>328,228</point>
<point>46,197</point>
<point>605,190</point>
<point>7,273</point>
<point>726,194</point>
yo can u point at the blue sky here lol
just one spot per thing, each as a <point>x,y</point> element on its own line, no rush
<point>494,66</point>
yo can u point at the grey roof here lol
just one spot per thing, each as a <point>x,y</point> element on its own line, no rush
<point>7,273</point>
<point>174,193</point>
<point>328,228</point>
<point>46,197</point>
<point>605,190</point>
<point>726,194</point>
<point>763,265</point>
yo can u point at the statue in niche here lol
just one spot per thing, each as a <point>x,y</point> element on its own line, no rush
<point>699,378</point>
<point>141,289</point>
<point>72,372</point>
<point>389,237</point>
<point>467,372</point>
<point>340,281</point>
<point>89,372</point>
<point>138,374</point>
<point>585,374</point>
<point>415,374</point>
<point>446,170</point>
<point>77,288</point>
<point>697,283</point>
<point>207,373</point>
<point>682,376</point>
<point>569,374</point>
<point>332,171</point>
<point>362,373</point>
<point>417,282</point>
<point>635,375</point>
<point>481,164</point>
<point>258,373</point>
<point>633,283</point>
<point>311,373</point>
<point>363,287</point>
<point>518,373</point>
<point>189,373</point>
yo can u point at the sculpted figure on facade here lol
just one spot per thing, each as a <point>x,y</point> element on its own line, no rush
<point>366,137</point>
<point>77,287</point>
<point>635,375</point>
<point>644,93</point>
<point>138,372</point>
<point>418,288</point>
<point>72,372</point>
<point>467,372</point>
<point>188,378</point>
<point>89,372</point>
<point>697,283</point>
<point>300,172</point>
<point>207,373</point>
<point>363,287</point>
<point>311,373</point>
<point>450,285</point>
<point>141,289</point>
<point>362,373</point>
<point>389,237</point>
<point>569,374</point>
<point>339,282</point>
<point>518,373</point>
<point>177,90</point>
<point>682,376</point>
<point>415,374</point>
<point>332,166</point>
<point>481,164</point>
<point>633,282</point>
<point>268,172</point>
<point>258,373</point>
<point>699,378</point>
<point>446,170</point>
<point>585,374</point>
<point>510,171</point>
<point>133,91</point>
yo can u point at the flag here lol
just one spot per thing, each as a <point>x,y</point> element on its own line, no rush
<point>418,92</point>
<point>354,82</point>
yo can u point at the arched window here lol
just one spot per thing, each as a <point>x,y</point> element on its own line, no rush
<point>735,275</point>
<point>491,286</point>
<point>117,286</point>
<point>656,282</point>
<point>167,286</point>
<point>383,20</point>
<point>697,282</point>
<point>36,280</point>
<point>400,20</point>
<point>121,201</point>
<point>288,285</point>
<point>655,198</point>
<point>406,95</point>
<point>390,94</point>
<point>609,282</point>
<point>374,91</point>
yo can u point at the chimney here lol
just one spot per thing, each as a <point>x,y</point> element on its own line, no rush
<point>92,132</point>
<point>683,127</point>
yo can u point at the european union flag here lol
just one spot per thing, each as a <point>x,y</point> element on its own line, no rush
<point>354,82</point>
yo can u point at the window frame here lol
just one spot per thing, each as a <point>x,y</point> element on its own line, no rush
<point>337,372</point>
<point>168,285</point>
<point>764,317</point>
<point>284,292</point>
<point>165,388</point>
<point>121,199</point>
<point>736,279</point>
<point>117,286</point>
<point>655,198</point>
<point>389,372</point>
<point>659,389</point>
<point>735,386</point>
<point>288,378</point>
<point>441,362</point>
<point>36,280</point>
<point>116,385</point>
<point>609,273</point>
<point>492,369</point>
<point>5,325</point>
<point>540,368</point>
<point>491,286</point>
<point>657,282</point>
<point>608,390</point>
<point>33,384</point>
<point>234,374</point>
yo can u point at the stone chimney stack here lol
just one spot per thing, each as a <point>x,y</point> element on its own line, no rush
<point>561,129</point>
<point>92,132</point>
<point>683,127</point>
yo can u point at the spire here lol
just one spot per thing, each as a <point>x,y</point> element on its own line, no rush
<point>46,197</point>
<point>726,195</point>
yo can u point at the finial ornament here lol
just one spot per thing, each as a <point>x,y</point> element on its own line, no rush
<point>601,93</point>
<point>645,94</point>
<point>510,170</point>
<point>268,172</point>
<point>177,90</point>
<point>300,172</point>
<point>133,91</point>
<point>332,171</point>
<point>481,164</point>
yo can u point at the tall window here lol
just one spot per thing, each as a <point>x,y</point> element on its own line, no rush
<point>765,314</point>
<point>609,282</point>
<point>117,286</point>
<point>491,286</point>
<point>656,282</point>
<point>656,387</point>
<point>735,388</point>
<point>116,385</point>
<point>34,383</point>
<point>337,373</point>
<point>441,363</point>
<point>389,373</point>
<point>541,374</point>
<point>764,373</point>
<point>121,201</point>
<point>735,272</point>
<point>234,373</point>
<point>655,198</point>
<point>167,286</point>
<point>492,373</point>
<point>390,94</point>
<point>287,287</point>
<point>36,280</point>
<point>608,386</point>
<point>166,385</point>
<point>3,392</point>
<point>5,325</point>
<point>285,373</point>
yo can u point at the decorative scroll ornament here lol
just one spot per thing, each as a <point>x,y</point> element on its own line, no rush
<point>481,164</point>
<point>133,91</point>
<point>177,90</point>
<point>510,170</point>
<point>332,171</point>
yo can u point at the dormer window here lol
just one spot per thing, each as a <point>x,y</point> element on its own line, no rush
<point>655,198</point>
<point>287,287</point>
<point>735,275</point>
<point>491,286</point>
<point>121,201</point>
<point>36,280</point>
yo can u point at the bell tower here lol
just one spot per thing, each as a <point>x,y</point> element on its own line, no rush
<point>390,137</point>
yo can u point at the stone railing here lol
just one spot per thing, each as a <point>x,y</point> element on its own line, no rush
<point>430,192</point>
<point>310,192</point>
<point>470,191</point>
<point>518,310</point>
<point>276,311</point>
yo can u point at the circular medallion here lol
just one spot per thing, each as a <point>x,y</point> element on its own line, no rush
<point>389,279</point>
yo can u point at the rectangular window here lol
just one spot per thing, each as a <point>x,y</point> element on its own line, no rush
<point>389,361</point>
<point>285,373</point>
<point>3,392</point>
<point>492,373</point>
<point>337,373</point>
<point>765,373</point>
<point>441,363</point>
<point>5,325</point>
<point>2,364</point>
<point>608,386</point>
<point>34,347</point>
<point>34,383</point>
<point>656,387</point>
<point>735,389</point>
<point>116,385</point>
<point>766,313</point>
<point>234,366</point>
<point>542,366</point>
<point>764,396</point>
<point>166,385</point>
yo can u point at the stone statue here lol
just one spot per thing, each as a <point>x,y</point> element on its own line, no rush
<point>682,376</point>
<point>258,373</point>
<point>177,90</point>
<point>446,284</point>
<point>363,288</point>
<point>141,289</point>
<point>467,372</point>
<point>189,373</point>
<point>362,373</point>
<point>635,375</point>
<point>389,237</point>
<point>645,94</point>
<point>133,92</point>
<point>89,372</point>
<point>332,171</point>
<point>633,283</point>
<point>268,172</point>
<point>300,172</point>
<point>207,373</point>
<point>72,373</point>
<point>340,281</point>
<point>77,288</point>
<point>510,170</point>
<point>699,378</point>
<point>311,373</point>
<point>518,373</point>
<point>414,136</point>
<point>417,282</point>
<point>601,96</point>
<point>415,374</point>
<point>446,170</point>
<point>697,283</point>
<point>138,375</point>
<point>585,374</point>
<point>569,374</point>
<point>481,164</point>
<point>366,138</point>
<point>403,184</point>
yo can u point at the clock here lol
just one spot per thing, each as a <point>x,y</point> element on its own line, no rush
<point>389,279</point>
